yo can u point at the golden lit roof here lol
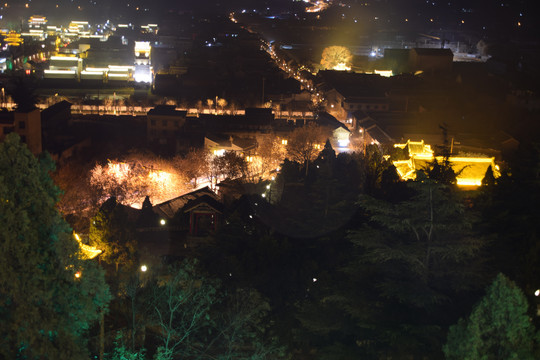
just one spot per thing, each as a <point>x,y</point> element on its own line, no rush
<point>470,171</point>
<point>417,149</point>
<point>37,19</point>
<point>13,38</point>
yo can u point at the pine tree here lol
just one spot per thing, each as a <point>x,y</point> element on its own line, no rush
<point>403,282</point>
<point>49,296</point>
<point>498,327</point>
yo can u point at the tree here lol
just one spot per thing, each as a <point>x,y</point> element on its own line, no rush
<point>120,352</point>
<point>23,93</point>
<point>222,103</point>
<point>195,165</point>
<point>181,305</point>
<point>272,153</point>
<point>336,57</point>
<point>49,296</point>
<point>111,232</point>
<point>498,327</point>
<point>304,144</point>
<point>198,319</point>
<point>230,165</point>
<point>412,266</point>
<point>78,200</point>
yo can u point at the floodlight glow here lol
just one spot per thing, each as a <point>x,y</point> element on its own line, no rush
<point>96,73</point>
<point>142,46</point>
<point>385,73</point>
<point>58,72</point>
<point>142,76</point>
<point>64,58</point>
<point>343,143</point>
<point>121,67</point>
<point>341,67</point>
<point>92,69</point>
<point>118,76</point>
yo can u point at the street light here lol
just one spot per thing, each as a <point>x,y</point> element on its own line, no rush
<point>144,268</point>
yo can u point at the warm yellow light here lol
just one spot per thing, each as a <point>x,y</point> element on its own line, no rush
<point>469,182</point>
<point>342,67</point>
<point>470,170</point>
<point>384,73</point>
<point>88,252</point>
<point>161,177</point>
<point>78,274</point>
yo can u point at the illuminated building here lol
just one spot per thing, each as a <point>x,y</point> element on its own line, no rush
<point>142,52</point>
<point>143,68</point>
<point>106,62</point>
<point>218,145</point>
<point>150,28</point>
<point>79,28</point>
<point>37,22</point>
<point>63,67</point>
<point>6,63</point>
<point>12,38</point>
<point>470,171</point>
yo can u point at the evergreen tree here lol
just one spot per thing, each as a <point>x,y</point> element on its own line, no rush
<point>510,212</point>
<point>404,281</point>
<point>498,327</point>
<point>49,296</point>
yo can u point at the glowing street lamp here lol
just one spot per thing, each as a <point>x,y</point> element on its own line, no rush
<point>144,268</point>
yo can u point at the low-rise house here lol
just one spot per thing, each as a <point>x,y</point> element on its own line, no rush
<point>27,124</point>
<point>218,145</point>
<point>164,123</point>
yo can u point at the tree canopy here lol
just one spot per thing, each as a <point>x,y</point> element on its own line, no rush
<point>498,327</point>
<point>49,296</point>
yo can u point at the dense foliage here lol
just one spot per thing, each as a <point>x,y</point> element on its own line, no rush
<point>49,296</point>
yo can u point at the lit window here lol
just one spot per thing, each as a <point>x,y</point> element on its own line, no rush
<point>284,142</point>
